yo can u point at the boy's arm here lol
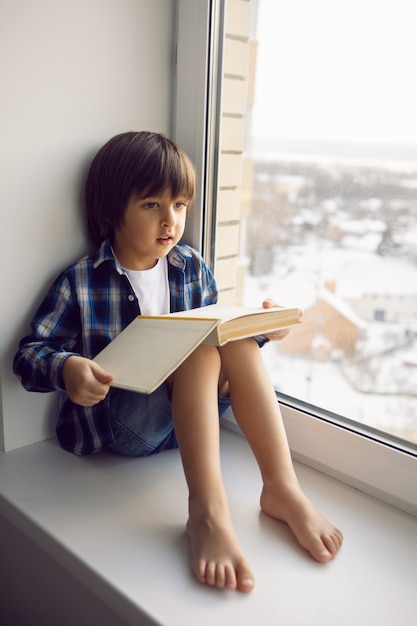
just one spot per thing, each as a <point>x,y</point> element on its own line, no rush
<point>54,338</point>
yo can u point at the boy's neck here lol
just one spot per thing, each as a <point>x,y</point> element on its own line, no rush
<point>129,262</point>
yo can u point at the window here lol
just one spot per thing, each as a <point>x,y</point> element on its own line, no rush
<point>298,223</point>
<point>330,225</point>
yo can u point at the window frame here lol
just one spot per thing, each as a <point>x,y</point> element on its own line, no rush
<point>196,104</point>
<point>351,456</point>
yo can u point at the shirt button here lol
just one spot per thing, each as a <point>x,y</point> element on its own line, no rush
<point>130,297</point>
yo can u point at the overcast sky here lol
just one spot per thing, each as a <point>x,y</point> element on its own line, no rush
<point>337,69</point>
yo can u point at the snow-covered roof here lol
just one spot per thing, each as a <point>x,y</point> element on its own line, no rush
<point>339,305</point>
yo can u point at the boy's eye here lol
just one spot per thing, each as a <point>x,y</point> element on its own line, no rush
<point>151,204</point>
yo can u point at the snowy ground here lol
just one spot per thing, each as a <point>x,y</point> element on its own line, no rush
<point>323,385</point>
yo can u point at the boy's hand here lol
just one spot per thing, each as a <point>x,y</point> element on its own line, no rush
<point>278,334</point>
<point>86,382</point>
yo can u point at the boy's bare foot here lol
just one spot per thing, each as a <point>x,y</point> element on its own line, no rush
<point>217,559</point>
<point>313,531</point>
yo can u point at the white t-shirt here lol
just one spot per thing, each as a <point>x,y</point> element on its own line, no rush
<point>151,288</point>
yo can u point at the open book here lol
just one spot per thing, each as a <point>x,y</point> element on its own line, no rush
<point>150,348</point>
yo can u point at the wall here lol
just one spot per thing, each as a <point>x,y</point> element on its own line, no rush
<point>73,73</point>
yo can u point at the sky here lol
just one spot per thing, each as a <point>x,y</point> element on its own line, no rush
<point>337,69</point>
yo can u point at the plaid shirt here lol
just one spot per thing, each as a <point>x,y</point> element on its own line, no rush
<point>90,303</point>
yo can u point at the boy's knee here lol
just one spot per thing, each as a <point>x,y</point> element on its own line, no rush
<point>206,350</point>
<point>240,347</point>
<point>205,357</point>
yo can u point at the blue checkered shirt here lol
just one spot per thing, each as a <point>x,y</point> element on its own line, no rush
<point>85,308</point>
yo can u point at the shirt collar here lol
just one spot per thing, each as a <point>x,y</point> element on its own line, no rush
<point>105,254</point>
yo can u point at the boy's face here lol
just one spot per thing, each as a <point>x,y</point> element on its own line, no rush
<point>150,229</point>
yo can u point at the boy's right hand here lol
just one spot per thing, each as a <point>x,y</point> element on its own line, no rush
<point>86,383</point>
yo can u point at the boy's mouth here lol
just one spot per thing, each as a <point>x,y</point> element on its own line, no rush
<point>164,240</point>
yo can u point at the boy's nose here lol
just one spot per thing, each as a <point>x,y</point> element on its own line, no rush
<point>169,217</point>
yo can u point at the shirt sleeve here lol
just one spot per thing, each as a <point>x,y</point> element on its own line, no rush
<point>209,292</point>
<point>54,337</point>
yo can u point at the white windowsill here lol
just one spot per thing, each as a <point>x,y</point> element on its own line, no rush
<point>116,525</point>
<point>361,462</point>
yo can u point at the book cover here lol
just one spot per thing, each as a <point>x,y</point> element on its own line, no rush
<point>147,351</point>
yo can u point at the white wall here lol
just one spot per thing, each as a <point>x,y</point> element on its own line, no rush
<point>72,74</point>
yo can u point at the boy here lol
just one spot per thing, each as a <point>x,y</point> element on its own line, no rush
<point>138,191</point>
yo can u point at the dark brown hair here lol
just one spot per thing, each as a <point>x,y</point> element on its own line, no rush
<point>134,163</point>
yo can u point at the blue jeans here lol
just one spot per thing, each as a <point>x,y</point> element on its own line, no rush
<point>142,424</point>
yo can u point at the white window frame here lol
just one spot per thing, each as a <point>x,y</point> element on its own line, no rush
<point>195,124</point>
<point>375,467</point>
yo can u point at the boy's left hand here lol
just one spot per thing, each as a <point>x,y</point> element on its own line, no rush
<point>277,335</point>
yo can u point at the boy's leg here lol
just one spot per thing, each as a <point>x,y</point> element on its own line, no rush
<point>257,411</point>
<point>216,555</point>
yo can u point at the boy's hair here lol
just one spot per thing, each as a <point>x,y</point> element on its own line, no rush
<point>134,163</point>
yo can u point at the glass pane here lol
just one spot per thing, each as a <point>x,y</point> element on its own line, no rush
<point>332,143</point>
